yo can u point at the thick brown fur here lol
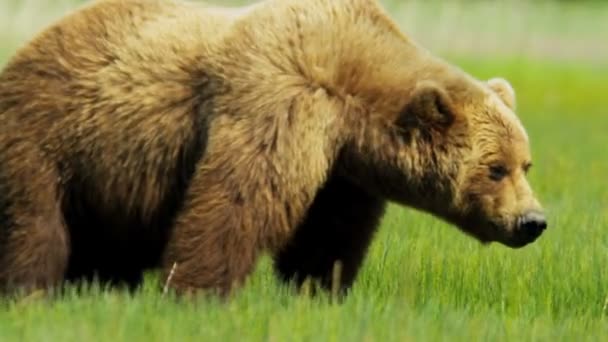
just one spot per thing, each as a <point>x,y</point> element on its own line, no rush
<point>153,133</point>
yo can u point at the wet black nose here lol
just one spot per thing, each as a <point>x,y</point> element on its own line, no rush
<point>533,223</point>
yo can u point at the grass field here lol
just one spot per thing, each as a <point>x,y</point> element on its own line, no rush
<point>422,280</point>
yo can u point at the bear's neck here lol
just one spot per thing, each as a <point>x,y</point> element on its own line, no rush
<point>349,48</point>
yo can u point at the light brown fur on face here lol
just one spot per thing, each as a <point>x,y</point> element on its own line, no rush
<point>493,185</point>
<point>447,145</point>
<point>165,134</point>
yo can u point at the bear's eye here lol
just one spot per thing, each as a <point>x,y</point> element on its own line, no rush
<point>498,172</point>
<point>527,167</point>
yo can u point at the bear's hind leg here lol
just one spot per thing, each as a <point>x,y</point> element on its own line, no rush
<point>33,236</point>
<point>339,227</point>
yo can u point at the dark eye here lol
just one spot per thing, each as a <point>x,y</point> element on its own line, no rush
<point>498,172</point>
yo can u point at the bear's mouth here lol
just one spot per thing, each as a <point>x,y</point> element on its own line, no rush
<point>484,232</point>
<point>511,236</point>
<point>487,232</point>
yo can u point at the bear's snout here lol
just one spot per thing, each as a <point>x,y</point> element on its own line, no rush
<point>531,225</point>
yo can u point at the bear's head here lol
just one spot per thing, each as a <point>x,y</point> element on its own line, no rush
<point>454,148</point>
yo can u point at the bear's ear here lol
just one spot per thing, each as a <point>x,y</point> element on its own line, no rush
<point>429,107</point>
<point>504,90</point>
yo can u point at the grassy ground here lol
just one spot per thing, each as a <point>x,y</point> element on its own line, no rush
<point>423,280</point>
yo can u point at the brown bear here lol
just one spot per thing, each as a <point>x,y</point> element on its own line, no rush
<point>139,134</point>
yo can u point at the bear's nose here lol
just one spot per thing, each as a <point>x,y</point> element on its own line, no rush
<point>533,223</point>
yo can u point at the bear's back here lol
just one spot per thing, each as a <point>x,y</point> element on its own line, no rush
<point>112,53</point>
<point>115,85</point>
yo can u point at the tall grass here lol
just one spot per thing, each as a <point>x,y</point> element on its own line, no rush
<point>422,280</point>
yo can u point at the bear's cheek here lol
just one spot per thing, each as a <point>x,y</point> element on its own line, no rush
<point>486,201</point>
<point>479,190</point>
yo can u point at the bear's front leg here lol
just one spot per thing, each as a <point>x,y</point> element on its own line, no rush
<point>338,228</point>
<point>217,236</point>
<point>210,248</point>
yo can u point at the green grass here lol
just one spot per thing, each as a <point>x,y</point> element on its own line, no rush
<point>422,280</point>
